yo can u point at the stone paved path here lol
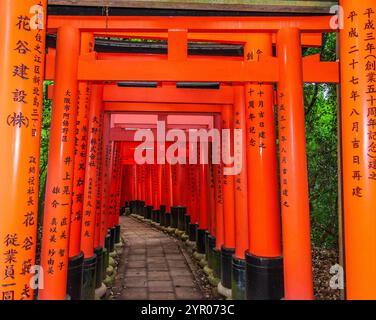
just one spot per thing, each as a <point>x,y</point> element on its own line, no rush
<point>152,266</point>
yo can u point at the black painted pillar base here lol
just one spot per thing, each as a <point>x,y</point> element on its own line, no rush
<point>75,277</point>
<point>193,232</point>
<point>122,211</point>
<point>99,267</point>
<point>207,245</point>
<point>200,241</point>
<point>149,210</point>
<point>107,244</point>
<point>155,216</point>
<point>167,219</point>
<point>216,256</point>
<point>187,222</point>
<point>264,278</point>
<point>117,234</point>
<point>210,250</point>
<point>181,218</point>
<point>144,212</point>
<point>105,262</point>
<point>132,205</point>
<point>174,217</point>
<point>136,205</point>
<point>141,208</point>
<point>162,215</point>
<point>89,278</point>
<point>112,239</point>
<point>226,266</point>
<point>238,279</point>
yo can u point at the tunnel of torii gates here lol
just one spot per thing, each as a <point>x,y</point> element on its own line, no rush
<point>241,221</point>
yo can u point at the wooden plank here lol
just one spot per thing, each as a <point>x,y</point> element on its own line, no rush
<point>281,6</point>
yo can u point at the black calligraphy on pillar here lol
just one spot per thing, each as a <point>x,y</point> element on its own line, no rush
<point>282,119</point>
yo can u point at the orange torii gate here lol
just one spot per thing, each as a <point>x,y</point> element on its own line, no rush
<point>24,67</point>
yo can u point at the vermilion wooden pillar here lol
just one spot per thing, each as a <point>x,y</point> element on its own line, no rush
<point>54,254</point>
<point>79,169</point>
<point>211,198</point>
<point>358,69</point>
<point>203,213</point>
<point>132,185</point>
<point>168,193</point>
<point>175,196</point>
<point>193,201</point>
<point>293,168</point>
<point>263,201</point>
<point>76,256</point>
<point>211,232</point>
<point>99,245</point>
<point>241,192</point>
<point>90,192</point>
<point>21,92</point>
<point>228,248</point>
<point>113,170</point>
<point>219,230</point>
<point>182,195</point>
<point>119,179</point>
<point>106,157</point>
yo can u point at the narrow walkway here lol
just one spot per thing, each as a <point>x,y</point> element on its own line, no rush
<point>152,266</point>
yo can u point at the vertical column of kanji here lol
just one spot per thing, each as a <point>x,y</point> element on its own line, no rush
<point>54,255</point>
<point>113,172</point>
<point>90,192</point>
<point>211,195</point>
<point>263,201</point>
<point>211,232</point>
<point>98,241</point>
<point>241,201</point>
<point>118,193</point>
<point>193,201</point>
<point>76,257</point>
<point>293,168</point>
<point>110,174</point>
<point>106,154</point>
<point>228,248</point>
<point>358,84</point>
<point>218,183</point>
<point>22,37</point>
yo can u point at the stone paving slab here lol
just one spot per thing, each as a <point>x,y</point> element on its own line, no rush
<point>152,266</point>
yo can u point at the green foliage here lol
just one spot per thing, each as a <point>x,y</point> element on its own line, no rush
<point>321,136</point>
<point>45,139</point>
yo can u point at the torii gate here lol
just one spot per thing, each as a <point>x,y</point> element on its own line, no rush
<point>23,86</point>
